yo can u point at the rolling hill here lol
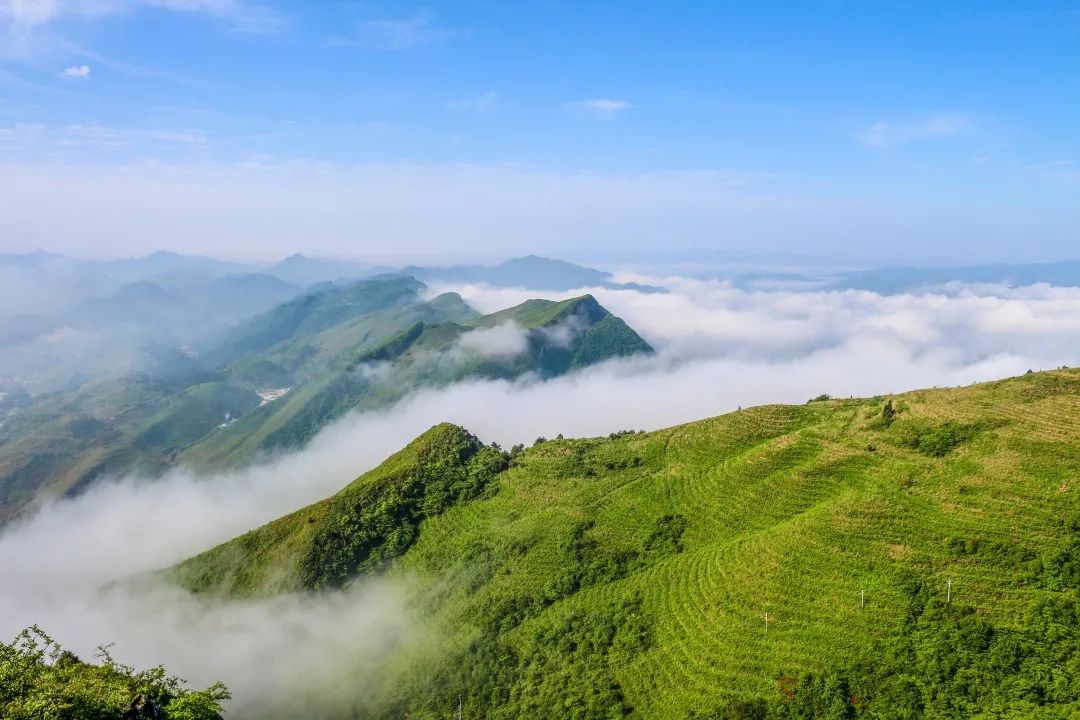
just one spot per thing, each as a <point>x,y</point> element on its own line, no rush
<point>915,556</point>
<point>279,377</point>
<point>416,346</point>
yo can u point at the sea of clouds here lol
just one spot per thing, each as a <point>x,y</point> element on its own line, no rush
<point>717,348</point>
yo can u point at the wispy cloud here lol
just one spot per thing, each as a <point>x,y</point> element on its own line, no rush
<point>20,135</point>
<point>886,134</point>
<point>81,72</point>
<point>601,106</point>
<point>1068,169</point>
<point>485,102</point>
<point>23,16</point>
<point>92,138</point>
<point>397,34</point>
<point>95,135</point>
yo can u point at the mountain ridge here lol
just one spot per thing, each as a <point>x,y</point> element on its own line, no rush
<point>271,385</point>
<point>630,575</point>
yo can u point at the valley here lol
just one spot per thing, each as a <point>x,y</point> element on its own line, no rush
<point>269,384</point>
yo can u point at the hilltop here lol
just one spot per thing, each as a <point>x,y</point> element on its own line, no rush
<point>531,272</point>
<point>273,381</point>
<point>916,555</point>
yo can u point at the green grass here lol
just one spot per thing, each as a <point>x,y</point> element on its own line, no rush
<point>360,529</point>
<point>320,346</point>
<point>311,313</point>
<point>417,343</point>
<point>542,313</point>
<point>630,575</point>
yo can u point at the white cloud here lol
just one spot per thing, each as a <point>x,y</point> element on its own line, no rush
<point>885,134</point>
<point>23,16</point>
<point>77,71</point>
<point>396,34</point>
<point>1060,169</point>
<point>701,319</point>
<point>485,102</point>
<point>81,139</point>
<point>60,569</point>
<point>21,134</point>
<point>504,341</point>
<point>718,348</point>
<point>602,106</point>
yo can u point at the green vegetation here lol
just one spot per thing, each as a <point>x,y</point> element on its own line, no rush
<point>915,557</point>
<point>410,347</point>
<point>311,313</point>
<point>360,346</point>
<point>369,523</point>
<point>39,680</point>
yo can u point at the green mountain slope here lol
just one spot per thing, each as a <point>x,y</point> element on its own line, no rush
<point>386,366</point>
<point>373,519</point>
<point>283,376</point>
<point>916,556</point>
<point>312,312</point>
<point>132,425</point>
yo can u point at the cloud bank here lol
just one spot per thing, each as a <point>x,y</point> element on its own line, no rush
<point>257,207</point>
<point>718,348</point>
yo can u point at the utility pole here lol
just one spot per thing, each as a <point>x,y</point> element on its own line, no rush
<point>459,706</point>
<point>862,598</point>
<point>766,623</point>
<point>948,592</point>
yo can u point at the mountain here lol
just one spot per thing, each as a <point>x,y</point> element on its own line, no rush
<point>274,381</point>
<point>104,336</point>
<point>416,346</point>
<point>893,280</point>
<point>313,311</point>
<point>185,311</point>
<point>164,264</point>
<point>31,259</point>
<point>913,556</point>
<point>531,273</point>
<point>300,269</point>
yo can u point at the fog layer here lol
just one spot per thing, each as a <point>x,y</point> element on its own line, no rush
<point>718,348</point>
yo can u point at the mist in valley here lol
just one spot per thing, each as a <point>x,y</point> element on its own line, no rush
<point>82,567</point>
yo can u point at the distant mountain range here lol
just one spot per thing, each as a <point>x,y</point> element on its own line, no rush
<point>174,271</point>
<point>912,279</point>
<point>531,272</point>
<point>64,321</point>
<point>274,380</point>
<point>893,280</point>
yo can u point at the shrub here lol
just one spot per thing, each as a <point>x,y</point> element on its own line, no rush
<point>39,680</point>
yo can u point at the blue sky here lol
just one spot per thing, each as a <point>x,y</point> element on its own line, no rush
<point>870,129</point>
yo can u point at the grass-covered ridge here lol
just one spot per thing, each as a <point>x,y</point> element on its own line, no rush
<point>277,379</point>
<point>360,529</point>
<point>918,556</point>
<point>415,350</point>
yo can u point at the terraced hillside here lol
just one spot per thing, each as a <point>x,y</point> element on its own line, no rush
<point>916,556</point>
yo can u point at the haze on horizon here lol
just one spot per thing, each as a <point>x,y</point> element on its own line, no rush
<point>774,307</point>
<point>249,129</point>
